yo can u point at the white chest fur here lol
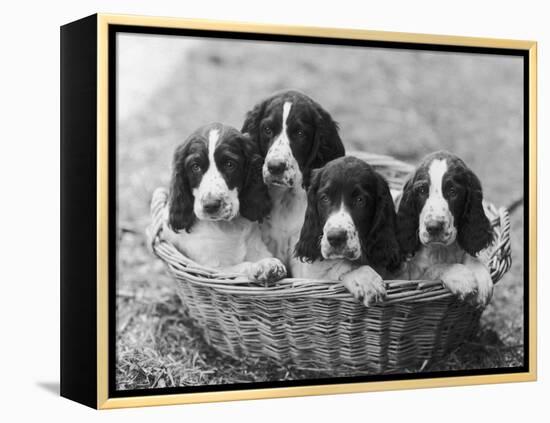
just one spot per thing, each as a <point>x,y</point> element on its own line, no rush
<point>427,257</point>
<point>281,229</point>
<point>217,244</point>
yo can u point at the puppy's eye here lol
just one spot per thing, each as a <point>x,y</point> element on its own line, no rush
<point>422,190</point>
<point>324,198</point>
<point>196,168</point>
<point>359,201</point>
<point>229,165</point>
<point>300,133</point>
<point>268,130</point>
<point>452,192</point>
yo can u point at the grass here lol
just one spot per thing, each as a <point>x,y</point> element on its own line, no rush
<point>401,103</point>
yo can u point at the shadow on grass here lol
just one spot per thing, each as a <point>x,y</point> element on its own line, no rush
<point>50,387</point>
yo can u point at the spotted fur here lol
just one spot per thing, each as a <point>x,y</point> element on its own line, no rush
<point>217,196</point>
<point>349,229</point>
<point>442,226</point>
<point>295,135</point>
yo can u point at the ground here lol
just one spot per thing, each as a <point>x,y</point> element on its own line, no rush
<point>398,102</point>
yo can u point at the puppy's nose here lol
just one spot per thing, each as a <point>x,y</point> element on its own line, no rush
<point>337,237</point>
<point>434,227</point>
<point>276,167</point>
<point>211,205</point>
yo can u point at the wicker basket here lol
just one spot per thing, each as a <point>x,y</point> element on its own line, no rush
<point>317,324</point>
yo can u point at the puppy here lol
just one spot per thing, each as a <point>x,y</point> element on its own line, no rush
<point>295,135</point>
<point>349,228</point>
<point>442,226</point>
<point>216,199</point>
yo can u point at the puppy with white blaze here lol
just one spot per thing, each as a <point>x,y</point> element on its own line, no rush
<point>217,197</point>
<point>349,229</point>
<point>295,135</point>
<point>442,227</point>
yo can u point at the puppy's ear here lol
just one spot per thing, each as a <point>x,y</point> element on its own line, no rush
<point>308,247</point>
<point>474,229</point>
<point>254,199</point>
<point>327,144</point>
<point>407,220</point>
<point>380,246</point>
<point>181,200</point>
<point>251,125</point>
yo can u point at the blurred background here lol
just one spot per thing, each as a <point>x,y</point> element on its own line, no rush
<point>398,102</point>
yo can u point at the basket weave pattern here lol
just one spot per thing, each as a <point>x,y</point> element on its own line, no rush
<point>317,324</point>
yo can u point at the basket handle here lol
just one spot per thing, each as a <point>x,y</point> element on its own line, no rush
<point>158,216</point>
<point>500,260</point>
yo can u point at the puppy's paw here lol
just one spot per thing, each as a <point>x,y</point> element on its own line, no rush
<point>365,285</point>
<point>460,280</point>
<point>267,270</point>
<point>484,287</point>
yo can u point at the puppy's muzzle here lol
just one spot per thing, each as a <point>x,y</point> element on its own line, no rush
<point>437,230</point>
<point>280,167</point>
<point>340,238</point>
<point>337,238</point>
<point>215,208</point>
<point>212,206</point>
<point>276,167</point>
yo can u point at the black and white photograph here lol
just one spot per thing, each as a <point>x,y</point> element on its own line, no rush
<point>294,211</point>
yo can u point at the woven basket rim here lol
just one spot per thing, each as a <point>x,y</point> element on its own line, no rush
<point>497,257</point>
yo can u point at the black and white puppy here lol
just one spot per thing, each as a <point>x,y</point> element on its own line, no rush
<point>442,226</point>
<point>349,228</point>
<point>217,196</point>
<point>295,135</point>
